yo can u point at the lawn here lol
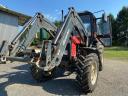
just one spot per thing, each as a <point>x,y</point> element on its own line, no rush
<point>116,53</point>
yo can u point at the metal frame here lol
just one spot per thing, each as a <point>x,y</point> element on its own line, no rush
<point>26,36</point>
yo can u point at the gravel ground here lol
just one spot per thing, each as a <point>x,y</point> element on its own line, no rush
<point>16,80</point>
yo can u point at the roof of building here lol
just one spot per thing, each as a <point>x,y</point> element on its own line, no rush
<point>22,17</point>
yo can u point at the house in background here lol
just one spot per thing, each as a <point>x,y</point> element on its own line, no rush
<point>9,24</point>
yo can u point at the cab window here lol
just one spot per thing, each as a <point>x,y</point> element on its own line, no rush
<point>87,24</point>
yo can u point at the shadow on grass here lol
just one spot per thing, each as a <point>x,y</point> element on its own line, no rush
<point>23,76</point>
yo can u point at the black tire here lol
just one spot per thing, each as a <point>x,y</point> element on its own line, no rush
<point>39,75</point>
<point>101,62</point>
<point>84,72</point>
<point>100,49</point>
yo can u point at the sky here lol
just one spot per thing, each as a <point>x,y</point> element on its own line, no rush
<point>51,9</point>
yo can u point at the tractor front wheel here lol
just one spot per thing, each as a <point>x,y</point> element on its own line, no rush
<point>87,73</point>
<point>39,75</point>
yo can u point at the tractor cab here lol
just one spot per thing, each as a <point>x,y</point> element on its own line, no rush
<point>99,27</point>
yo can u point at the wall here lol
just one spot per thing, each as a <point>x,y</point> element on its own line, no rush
<point>8,27</point>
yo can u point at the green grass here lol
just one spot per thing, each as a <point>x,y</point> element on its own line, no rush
<point>116,53</point>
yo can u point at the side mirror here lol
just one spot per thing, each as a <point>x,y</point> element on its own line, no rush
<point>104,17</point>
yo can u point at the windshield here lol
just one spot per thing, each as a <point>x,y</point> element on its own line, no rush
<point>86,22</point>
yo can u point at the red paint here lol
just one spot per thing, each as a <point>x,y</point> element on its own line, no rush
<point>75,41</point>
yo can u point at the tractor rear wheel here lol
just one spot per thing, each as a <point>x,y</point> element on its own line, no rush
<point>87,73</point>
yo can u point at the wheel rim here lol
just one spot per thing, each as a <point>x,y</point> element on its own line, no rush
<point>93,73</point>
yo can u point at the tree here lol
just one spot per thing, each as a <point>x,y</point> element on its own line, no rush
<point>58,23</point>
<point>122,19</point>
<point>122,23</point>
<point>114,29</point>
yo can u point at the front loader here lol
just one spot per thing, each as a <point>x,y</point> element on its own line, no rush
<point>80,39</point>
<point>17,50</point>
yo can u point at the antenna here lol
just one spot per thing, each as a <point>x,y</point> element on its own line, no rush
<point>62,11</point>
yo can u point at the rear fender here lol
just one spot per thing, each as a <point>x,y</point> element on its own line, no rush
<point>94,50</point>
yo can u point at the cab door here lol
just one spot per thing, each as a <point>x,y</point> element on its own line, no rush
<point>104,31</point>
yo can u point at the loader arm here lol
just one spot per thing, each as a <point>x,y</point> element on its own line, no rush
<point>27,34</point>
<point>71,24</point>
